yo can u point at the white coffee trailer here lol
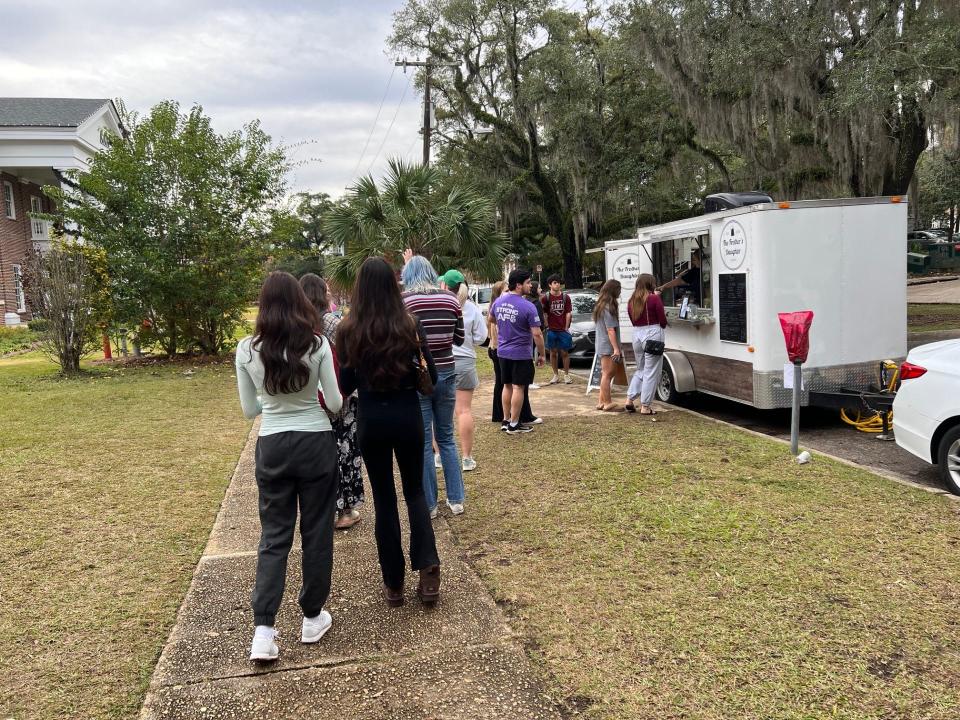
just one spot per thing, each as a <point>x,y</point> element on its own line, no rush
<point>843,259</point>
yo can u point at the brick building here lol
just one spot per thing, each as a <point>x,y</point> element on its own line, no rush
<point>40,139</point>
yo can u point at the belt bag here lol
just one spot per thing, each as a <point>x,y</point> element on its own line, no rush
<point>653,347</point>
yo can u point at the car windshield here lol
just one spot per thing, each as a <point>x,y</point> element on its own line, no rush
<point>583,304</point>
<point>483,295</point>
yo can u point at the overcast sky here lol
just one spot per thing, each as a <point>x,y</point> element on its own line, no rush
<point>314,73</point>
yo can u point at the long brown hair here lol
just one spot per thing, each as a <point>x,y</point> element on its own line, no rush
<point>317,293</point>
<point>378,337</point>
<point>646,284</point>
<point>608,300</point>
<point>284,333</point>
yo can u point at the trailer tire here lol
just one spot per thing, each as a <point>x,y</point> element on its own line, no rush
<point>950,469</point>
<point>667,387</point>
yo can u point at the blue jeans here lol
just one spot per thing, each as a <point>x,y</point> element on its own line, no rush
<point>437,410</point>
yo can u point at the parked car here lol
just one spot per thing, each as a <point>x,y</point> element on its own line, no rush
<point>480,294</point>
<point>582,327</point>
<point>926,411</point>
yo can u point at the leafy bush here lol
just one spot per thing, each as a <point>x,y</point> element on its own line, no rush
<point>15,339</point>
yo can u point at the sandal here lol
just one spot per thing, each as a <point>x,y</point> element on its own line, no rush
<point>347,519</point>
<point>429,587</point>
<point>393,597</point>
<point>611,407</point>
<point>650,411</point>
<point>629,407</point>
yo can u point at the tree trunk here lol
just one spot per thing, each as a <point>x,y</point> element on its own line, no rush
<point>171,347</point>
<point>572,271</point>
<point>911,137</point>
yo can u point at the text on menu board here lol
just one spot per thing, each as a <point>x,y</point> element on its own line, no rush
<point>733,307</point>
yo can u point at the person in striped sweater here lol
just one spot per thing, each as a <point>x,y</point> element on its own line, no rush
<point>442,318</point>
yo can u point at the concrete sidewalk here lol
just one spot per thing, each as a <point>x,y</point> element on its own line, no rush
<point>457,661</point>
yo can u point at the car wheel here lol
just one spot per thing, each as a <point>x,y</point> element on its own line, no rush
<point>948,459</point>
<point>667,387</point>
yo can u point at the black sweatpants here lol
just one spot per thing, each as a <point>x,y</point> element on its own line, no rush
<point>292,468</point>
<point>526,414</point>
<point>390,424</point>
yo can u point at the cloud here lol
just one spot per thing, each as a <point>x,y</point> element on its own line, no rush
<point>313,73</point>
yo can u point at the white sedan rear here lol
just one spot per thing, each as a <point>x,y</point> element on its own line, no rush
<point>926,411</point>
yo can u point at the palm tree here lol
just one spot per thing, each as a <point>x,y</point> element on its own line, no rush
<point>453,225</point>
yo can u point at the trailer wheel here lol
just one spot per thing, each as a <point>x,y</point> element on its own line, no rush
<point>948,459</point>
<point>667,387</point>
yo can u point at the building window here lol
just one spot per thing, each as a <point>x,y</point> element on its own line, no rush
<point>10,209</point>
<point>38,225</point>
<point>18,289</point>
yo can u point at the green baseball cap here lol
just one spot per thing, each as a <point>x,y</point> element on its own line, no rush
<point>452,277</point>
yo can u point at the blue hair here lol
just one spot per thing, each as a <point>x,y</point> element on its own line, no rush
<point>419,276</point>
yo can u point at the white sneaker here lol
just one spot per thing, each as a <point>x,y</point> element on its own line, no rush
<point>534,386</point>
<point>554,380</point>
<point>264,647</point>
<point>567,379</point>
<point>469,464</point>
<point>536,421</point>
<point>433,513</point>
<point>456,508</point>
<point>315,628</point>
<point>436,461</point>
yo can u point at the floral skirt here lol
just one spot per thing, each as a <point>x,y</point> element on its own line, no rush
<point>350,494</point>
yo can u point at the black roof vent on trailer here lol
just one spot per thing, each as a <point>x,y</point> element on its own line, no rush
<point>729,201</point>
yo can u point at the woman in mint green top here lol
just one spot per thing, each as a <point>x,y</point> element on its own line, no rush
<point>297,410</point>
<point>279,370</point>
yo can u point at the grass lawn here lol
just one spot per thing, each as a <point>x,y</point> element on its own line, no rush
<point>111,483</point>
<point>681,569</point>
<point>924,317</point>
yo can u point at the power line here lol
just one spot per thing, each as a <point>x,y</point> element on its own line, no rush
<point>374,126</point>
<point>393,120</point>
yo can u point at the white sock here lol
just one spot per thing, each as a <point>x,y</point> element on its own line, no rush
<point>265,631</point>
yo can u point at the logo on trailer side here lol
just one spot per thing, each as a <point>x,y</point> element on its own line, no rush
<point>626,269</point>
<point>733,244</point>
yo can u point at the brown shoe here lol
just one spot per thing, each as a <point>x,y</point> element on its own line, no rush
<point>393,597</point>
<point>429,587</point>
<point>347,519</point>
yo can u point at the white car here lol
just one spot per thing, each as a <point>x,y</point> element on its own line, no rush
<point>481,294</point>
<point>926,411</point>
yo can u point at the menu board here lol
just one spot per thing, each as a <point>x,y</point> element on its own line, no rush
<point>733,307</point>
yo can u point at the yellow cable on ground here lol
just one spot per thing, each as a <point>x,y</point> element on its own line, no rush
<point>873,422</point>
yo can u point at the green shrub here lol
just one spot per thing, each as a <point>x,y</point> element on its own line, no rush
<point>14,339</point>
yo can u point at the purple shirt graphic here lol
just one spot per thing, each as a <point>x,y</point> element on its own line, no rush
<point>515,316</point>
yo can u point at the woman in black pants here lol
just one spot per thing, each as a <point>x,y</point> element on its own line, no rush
<point>381,347</point>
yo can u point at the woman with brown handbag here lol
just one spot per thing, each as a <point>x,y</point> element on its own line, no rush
<point>384,356</point>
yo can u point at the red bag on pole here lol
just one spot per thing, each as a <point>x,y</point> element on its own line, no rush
<point>796,333</point>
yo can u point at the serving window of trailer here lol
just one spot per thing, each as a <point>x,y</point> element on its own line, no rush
<point>688,258</point>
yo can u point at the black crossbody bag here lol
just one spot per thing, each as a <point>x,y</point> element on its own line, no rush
<point>652,347</point>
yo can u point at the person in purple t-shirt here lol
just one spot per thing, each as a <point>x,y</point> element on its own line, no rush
<point>517,324</point>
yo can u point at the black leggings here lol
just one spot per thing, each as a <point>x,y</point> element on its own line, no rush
<point>526,414</point>
<point>388,424</point>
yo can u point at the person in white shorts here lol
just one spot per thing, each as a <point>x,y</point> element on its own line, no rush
<point>465,360</point>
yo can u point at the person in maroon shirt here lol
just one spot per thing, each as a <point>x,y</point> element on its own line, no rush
<point>649,320</point>
<point>559,310</point>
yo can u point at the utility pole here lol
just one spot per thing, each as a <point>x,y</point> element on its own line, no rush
<point>428,66</point>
